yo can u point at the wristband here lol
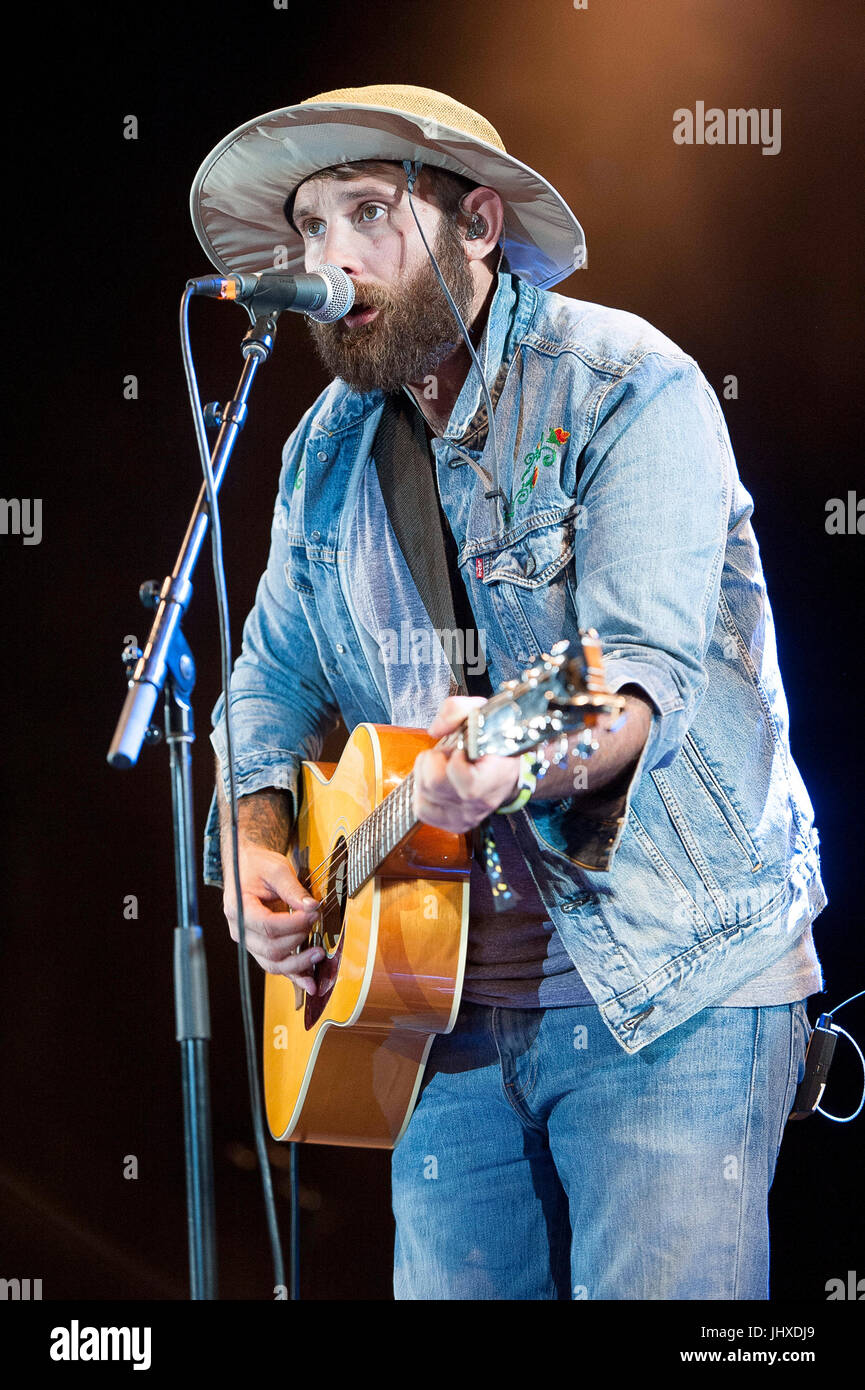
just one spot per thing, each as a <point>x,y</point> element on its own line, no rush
<point>526,785</point>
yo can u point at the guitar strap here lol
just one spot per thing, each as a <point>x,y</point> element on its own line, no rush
<point>405,475</point>
<point>402,458</point>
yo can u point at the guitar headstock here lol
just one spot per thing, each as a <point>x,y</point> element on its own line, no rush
<point>557,696</point>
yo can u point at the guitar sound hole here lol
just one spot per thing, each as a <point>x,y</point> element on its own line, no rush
<point>333,906</point>
<point>332,913</point>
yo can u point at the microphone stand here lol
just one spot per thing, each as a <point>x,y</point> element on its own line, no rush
<point>167,665</point>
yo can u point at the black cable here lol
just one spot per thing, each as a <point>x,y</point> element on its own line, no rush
<point>844,1002</point>
<point>412,170</point>
<point>826,1020</point>
<point>225,657</point>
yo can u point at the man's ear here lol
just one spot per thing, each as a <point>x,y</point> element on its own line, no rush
<point>482,221</point>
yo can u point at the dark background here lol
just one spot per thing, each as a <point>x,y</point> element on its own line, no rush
<point>752,263</point>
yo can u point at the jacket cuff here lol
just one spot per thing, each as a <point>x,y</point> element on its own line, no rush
<point>670,718</point>
<point>253,772</point>
<point>592,823</point>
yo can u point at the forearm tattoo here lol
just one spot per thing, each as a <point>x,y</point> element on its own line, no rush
<point>264,818</point>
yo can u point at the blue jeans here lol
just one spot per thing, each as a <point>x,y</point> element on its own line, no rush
<point>544,1162</point>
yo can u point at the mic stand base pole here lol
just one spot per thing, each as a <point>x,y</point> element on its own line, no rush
<point>192,1011</point>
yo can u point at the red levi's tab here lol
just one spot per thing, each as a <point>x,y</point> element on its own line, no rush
<point>479,567</point>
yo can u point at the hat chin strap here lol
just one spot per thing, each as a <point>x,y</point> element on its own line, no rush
<point>412,169</point>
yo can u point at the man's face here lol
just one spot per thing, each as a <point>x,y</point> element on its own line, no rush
<point>401,326</point>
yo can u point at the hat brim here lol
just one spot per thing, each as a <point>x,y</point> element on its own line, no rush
<point>238,195</point>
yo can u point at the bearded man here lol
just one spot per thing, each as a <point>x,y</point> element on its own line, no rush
<point>606,1113</point>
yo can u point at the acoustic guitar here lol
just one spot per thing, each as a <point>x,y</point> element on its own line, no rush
<point>344,1065</point>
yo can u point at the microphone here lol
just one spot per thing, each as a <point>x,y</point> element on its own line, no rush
<point>325,295</point>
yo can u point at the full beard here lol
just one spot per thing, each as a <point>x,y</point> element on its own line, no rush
<point>414,330</point>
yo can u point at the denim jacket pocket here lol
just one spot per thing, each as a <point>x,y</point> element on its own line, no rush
<point>713,837</point>
<point>296,568</point>
<point>537,553</point>
<point>722,801</point>
<point>526,583</point>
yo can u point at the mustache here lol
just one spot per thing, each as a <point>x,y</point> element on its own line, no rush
<point>371,296</point>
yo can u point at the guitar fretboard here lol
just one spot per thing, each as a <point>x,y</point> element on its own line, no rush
<point>373,840</point>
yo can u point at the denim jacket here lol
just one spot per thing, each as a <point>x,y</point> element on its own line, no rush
<point>626,514</point>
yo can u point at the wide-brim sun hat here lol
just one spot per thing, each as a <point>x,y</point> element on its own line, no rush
<point>238,195</point>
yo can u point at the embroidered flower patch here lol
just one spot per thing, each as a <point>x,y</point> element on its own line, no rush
<point>545,453</point>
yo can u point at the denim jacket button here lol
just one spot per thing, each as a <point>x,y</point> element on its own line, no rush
<point>321,456</point>
<point>315,535</point>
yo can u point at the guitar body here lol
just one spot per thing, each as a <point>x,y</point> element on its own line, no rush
<point>345,1065</point>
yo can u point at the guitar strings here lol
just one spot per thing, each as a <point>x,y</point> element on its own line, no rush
<point>336,856</point>
<point>323,870</point>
